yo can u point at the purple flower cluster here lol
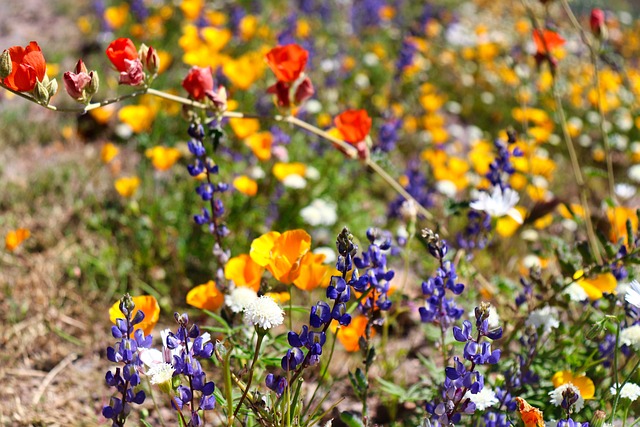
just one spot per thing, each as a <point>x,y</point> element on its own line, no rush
<point>570,423</point>
<point>388,135</point>
<point>417,186</point>
<point>312,337</point>
<point>126,378</point>
<point>405,58</point>
<point>497,418</point>
<point>376,279</point>
<point>439,309</point>
<point>460,379</point>
<point>188,346</point>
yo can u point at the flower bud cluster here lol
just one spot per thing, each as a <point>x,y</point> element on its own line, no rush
<point>81,84</point>
<point>376,280</point>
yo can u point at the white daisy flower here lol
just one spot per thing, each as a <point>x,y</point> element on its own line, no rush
<point>294,181</point>
<point>631,336</point>
<point>239,298</point>
<point>483,399</point>
<point>624,190</point>
<point>632,296</point>
<point>263,312</point>
<point>556,396</point>
<point>161,373</point>
<point>576,292</point>
<point>498,203</point>
<point>629,391</point>
<point>546,317</point>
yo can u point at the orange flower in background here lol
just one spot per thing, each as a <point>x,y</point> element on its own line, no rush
<point>582,382</point>
<point>108,152</point>
<point>531,416</point>
<point>127,186</point>
<point>282,253</point>
<point>618,217</point>
<point>287,62</point>
<point>350,335</point>
<point>597,285</point>
<point>163,157</point>
<point>547,41</point>
<point>145,303</point>
<point>354,125</point>
<point>27,67</point>
<point>244,272</point>
<point>206,297</point>
<point>260,143</point>
<point>312,271</point>
<point>245,185</point>
<point>14,238</point>
<point>119,50</point>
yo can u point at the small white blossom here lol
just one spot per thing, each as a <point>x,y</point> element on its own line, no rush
<point>624,190</point>
<point>498,203</point>
<point>483,399</point>
<point>263,312</point>
<point>632,296</point>
<point>320,212</point>
<point>546,317</point>
<point>629,391</point>
<point>556,396</point>
<point>631,336</point>
<point>239,298</point>
<point>161,373</point>
<point>446,187</point>
<point>576,292</point>
<point>634,173</point>
<point>294,181</point>
<point>329,254</point>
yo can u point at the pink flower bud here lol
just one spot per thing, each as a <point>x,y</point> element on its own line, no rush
<point>152,61</point>
<point>597,22</point>
<point>281,91</point>
<point>74,84</point>
<point>304,91</point>
<point>218,98</point>
<point>134,74</point>
<point>198,82</point>
<point>80,67</point>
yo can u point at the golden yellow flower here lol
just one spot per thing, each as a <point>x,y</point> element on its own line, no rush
<point>14,238</point>
<point>582,382</point>
<point>597,285</point>
<point>108,152</point>
<point>138,117</point>
<point>283,170</point>
<point>244,272</point>
<point>243,128</point>
<point>282,253</point>
<point>116,16</point>
<point>245,185</point>
<point>163,157</point>
<point>127,186</point>
<point>206,297</point>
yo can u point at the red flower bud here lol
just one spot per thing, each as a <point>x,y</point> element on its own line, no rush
<point>287,62</point>
<point>119,51</point>
<point>198,82</point>
<point>27,67</point>
<point>134,75</point>
<point>354,125</point>
<point>304,91</point>
<point>281,91</point>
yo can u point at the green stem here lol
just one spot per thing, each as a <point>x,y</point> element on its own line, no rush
<point>261,335</point>
<point>228,387</point>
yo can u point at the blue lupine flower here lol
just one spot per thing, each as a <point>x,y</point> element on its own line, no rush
<point>376,278</point>
<point>405,57</point>
<point>276,383</point>
<point>388,135</point>
<point>126,377</point>
<point>418,187</point>
<point>570,423</point>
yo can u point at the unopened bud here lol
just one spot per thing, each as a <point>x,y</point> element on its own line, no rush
<point>80,67</point>
<point>304,91</point>
<point>598,419</point>
<point>597,23</point>
<point>40,93</point>
<point>93,85</point>
<point>52,87</point>
<point>5,64</point>
<point>152,61</point>
<point>142,52</point>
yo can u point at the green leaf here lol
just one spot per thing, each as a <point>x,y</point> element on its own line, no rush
<point>217,318</point>
<point>145,424</point>
<point>351,419</point>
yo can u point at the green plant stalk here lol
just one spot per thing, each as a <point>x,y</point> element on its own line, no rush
<point>261,334</point>
<point>593,54</point>
<point>323,373</point>
<point>226,366</point>
<point>155,403</point>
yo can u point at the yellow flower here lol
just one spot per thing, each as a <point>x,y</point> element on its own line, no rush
<point>245,185</point>
<point>282,253</point>
<point>14,238</point>
<point>245,70</point>
<point>138,117</point>
<point>618,217</point>
<point>260,144</point>
<point>191,8</point>
<point>596,286</point>
<point>507,226</point>
<point>248,27</point>
<point>165,60</point>
<point>116,16</point>
<point>108,152</point>
<point>283,170</point>
<point>279,297</point>
<point>127,186</point>
<point>206,297</point>
<point>244,272</point>
<point>145,303</point>
<point>102,115</point>
<point>243,128</point>
<point>163,157</point>
<point>582,382</point>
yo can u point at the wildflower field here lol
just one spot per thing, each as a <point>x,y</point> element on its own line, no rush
<point>320,213</point>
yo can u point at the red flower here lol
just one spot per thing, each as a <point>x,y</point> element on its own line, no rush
<point>287,62</point>
<point>27,67</point>
<point>354,125</point>
<point>596,21</point>
<point>120,50</point>
<point>546,42</point>
<point>198,82</point>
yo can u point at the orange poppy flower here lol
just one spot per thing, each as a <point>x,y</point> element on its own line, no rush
<point>15,237</point>
<point>349,336</point>
<point>354,125</point>
<point>312,271</point>
<point>206,297</point>
<point>244,272</point>
<point>119,50</point>
<point>287,62</point>
<point>547,41</point>
<point>597,285</point>
<point>532,417</point>
<point>145,303</point>
<point>27,67</point>
<point>282,253</point>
